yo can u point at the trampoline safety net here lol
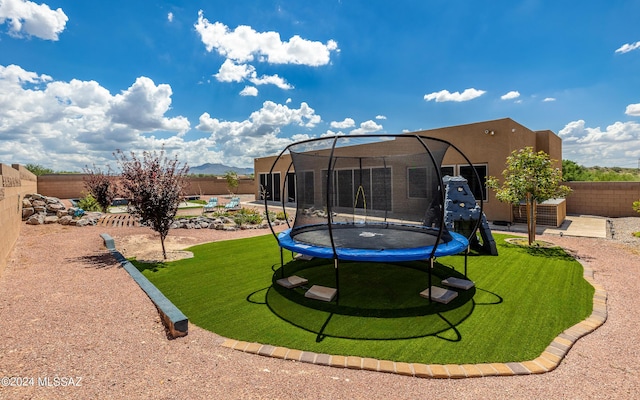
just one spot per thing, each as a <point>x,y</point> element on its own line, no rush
<point>374,179</point>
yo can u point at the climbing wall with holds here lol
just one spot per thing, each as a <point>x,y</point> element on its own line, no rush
<point>462,214</point>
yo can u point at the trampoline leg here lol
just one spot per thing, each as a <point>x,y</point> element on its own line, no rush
<point>430,268</point>
<point>281,263</point>
<point>466,253</point>
<point>335,264</point>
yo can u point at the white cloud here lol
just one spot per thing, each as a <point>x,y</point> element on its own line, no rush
<point>288,100</point>
<point>514,94</point>
<point>346,124</point>
<point>232,72</point>
<point>77,123</point>
<point>367,127</point>
<point>244,44</point>
<point>381,117</point>
<point>249,91</point>
<point>625,48</point>
<point>617,145</point>
<point>445,95</point>
<point>548,99</point>
<point>259,135</point>
<point>143,105</point>
<point>170,17</point>
<point>633,110</point>
<point>271,80</point>
<point>26,18</point>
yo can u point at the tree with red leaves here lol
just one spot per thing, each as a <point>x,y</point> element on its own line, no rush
<point>155,185</point>
<point>101,185</point>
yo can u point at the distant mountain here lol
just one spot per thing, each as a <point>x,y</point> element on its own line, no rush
<point>218,169</point>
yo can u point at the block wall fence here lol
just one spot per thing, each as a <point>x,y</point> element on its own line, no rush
<point>70,186</point>
<point>606,199</point>
<point>15,182</point>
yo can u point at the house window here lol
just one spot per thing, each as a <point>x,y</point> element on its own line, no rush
<point>352,188</point>
<point>417,177</point>
<point>291,187</point>
<point>270,186</point>
<point>305,187</point>
<point>448,170</point>
<point>479,190</point>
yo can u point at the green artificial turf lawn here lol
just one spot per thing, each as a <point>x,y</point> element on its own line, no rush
<point>522,300</point>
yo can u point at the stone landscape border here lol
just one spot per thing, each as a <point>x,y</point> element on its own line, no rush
<point>175,321</point>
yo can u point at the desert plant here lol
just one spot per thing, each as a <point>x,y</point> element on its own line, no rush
<point>155,186</point>
<point>101,185</point>
<point>247,216</point>
<point>89,203</point>
<point>232,180</point>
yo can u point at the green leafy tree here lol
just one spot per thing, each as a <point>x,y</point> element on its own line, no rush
<point>155,186</point>
<point>571,171</point>
<point>232,180</point>
<point>38,170</point>
<point>101,185</point>
<point>529,177</point>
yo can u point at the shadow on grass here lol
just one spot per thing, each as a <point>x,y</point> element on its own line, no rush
<point>378,301</point>
<point>541,251</point>
<point>148,266</point>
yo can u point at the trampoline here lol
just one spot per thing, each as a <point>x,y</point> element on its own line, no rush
<point>372,242</point>
<point>373,198</point>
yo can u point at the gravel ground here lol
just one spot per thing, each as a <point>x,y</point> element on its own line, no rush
<point>67,310</point>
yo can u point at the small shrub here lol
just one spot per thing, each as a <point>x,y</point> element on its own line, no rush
<point>636,234</point>
<point>271,216</point>
<point>220,212</point>
<point>282,216</point>
<point>89,203</point>
<point>247,216</point>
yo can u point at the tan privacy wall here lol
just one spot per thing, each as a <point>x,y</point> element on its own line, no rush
<point>15,182</point>
<point>606,199</point>
<point>70,186</point>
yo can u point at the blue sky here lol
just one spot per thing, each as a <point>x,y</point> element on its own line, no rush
<point>227,81</point>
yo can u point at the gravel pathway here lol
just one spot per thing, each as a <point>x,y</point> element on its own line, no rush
<point>67,310</point>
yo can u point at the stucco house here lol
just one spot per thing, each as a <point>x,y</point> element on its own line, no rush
<point>487,145</point>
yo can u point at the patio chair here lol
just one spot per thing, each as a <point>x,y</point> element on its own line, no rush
<point>211,205</point>
<point>233,204</point>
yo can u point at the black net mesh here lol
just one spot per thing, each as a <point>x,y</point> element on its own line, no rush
<point>370,179</point>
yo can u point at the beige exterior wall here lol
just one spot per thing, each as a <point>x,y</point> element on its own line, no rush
<point>15,182</point>
<point>606,199</point>
<point>69,186</point>
<point>486,143</point>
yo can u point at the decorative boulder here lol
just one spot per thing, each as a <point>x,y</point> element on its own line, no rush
<point>35,219</point>
<point>65,220</point>
<point>27,212</point>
